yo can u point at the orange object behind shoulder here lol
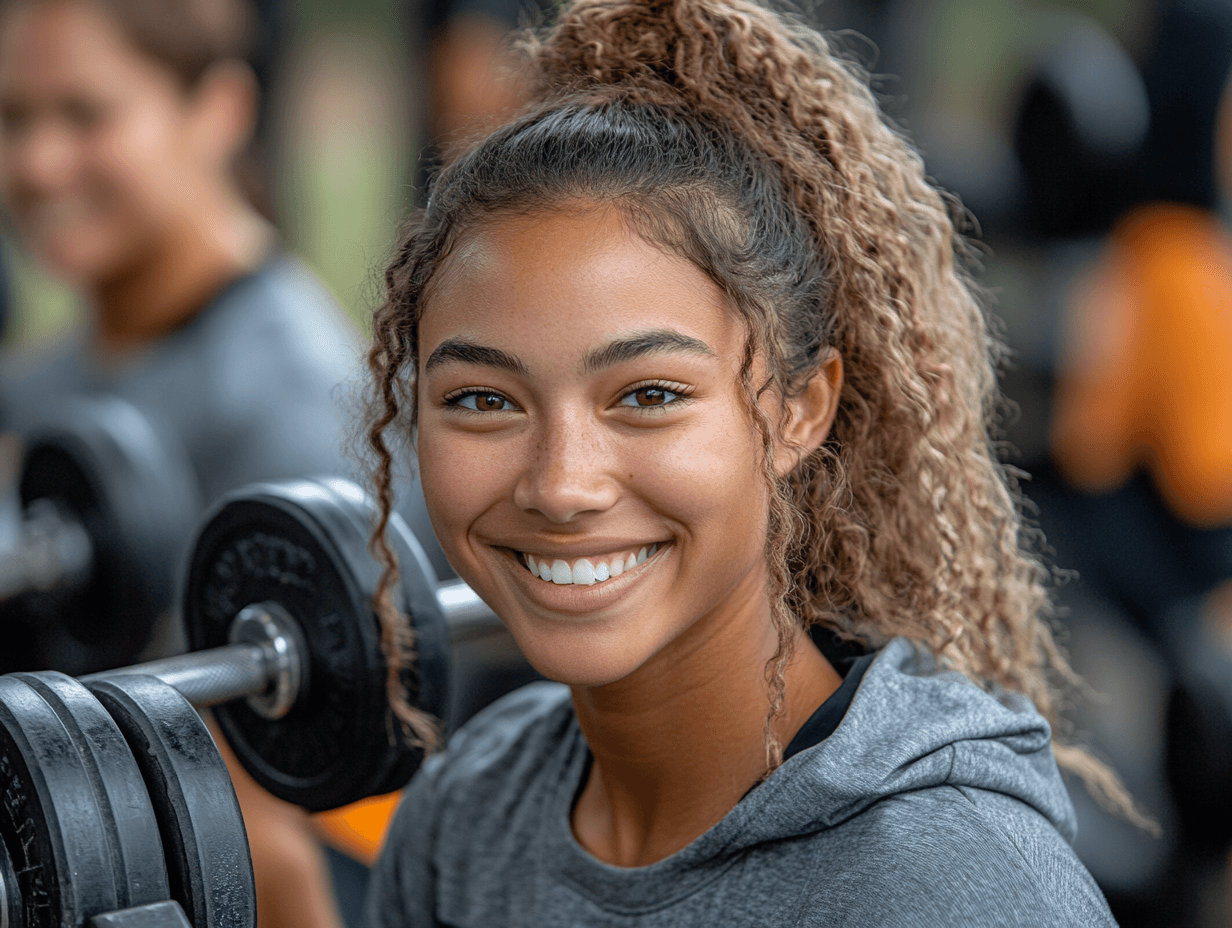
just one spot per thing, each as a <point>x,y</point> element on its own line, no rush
<point>359,829</point>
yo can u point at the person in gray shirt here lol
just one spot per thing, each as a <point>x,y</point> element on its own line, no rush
<point>930,803</point>
<point>253,386</point>
<point>698,392</point>
<point>124,132</point>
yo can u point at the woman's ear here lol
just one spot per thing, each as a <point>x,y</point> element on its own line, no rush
<point>224,103</point>
<point>809,414</point>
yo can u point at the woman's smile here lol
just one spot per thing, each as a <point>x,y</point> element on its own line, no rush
<point>585,589</point>
<point>585,571</point>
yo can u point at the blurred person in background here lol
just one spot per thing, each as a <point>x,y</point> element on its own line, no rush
<point>1137,496</point>
<point>4,298</point>
<point>124,167</point>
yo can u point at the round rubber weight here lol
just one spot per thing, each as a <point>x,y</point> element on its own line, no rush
<point>136,497</point>
<point>208,861</point>
<point>303,544</point>
<point>10,893</point>
<point>76,818</point>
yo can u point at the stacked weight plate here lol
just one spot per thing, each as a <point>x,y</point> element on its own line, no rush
<point>115,802</point>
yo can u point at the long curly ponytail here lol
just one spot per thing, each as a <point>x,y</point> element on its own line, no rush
<point>736,137</point>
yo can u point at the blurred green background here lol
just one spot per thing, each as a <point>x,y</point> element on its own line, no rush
<point>347,104</point>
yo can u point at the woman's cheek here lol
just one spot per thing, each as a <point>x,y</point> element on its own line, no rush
<point>451,476</point>
<point>709,480</point>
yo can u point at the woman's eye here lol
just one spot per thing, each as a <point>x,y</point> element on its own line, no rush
<point>482,401</point>
<point>645,397</point>
<point>83,115</point>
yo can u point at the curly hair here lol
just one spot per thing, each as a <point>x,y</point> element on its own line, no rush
<point>738,138</point>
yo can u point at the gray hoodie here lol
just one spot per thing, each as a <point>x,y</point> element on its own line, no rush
<point>932,804</point>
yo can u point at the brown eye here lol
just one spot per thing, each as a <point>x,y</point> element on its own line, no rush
<point>482,402</point>
<point>649,397</point>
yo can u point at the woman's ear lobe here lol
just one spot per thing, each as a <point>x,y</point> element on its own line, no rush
<point>810,414</point>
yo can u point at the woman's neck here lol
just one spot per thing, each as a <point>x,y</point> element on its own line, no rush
<point>171,282</point>
<point>678,744</point>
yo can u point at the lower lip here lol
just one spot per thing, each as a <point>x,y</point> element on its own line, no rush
<point>578,599</point>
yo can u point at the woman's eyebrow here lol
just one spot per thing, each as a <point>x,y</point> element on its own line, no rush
<point>643,343</point>
<point>456,349</point>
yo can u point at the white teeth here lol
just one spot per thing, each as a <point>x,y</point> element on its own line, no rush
<point>583,573</point>
<point>586,571</point>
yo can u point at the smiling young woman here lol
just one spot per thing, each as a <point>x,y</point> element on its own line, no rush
<point>699,393</point>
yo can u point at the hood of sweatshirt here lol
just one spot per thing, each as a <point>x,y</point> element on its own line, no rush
<point>499,801</point>
<point>910,726</point>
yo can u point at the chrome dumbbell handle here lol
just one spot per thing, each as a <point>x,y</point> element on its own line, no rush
<point>265,662</point>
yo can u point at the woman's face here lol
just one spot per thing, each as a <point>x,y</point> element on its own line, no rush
<point>581,419</point>
<point>98,146</point>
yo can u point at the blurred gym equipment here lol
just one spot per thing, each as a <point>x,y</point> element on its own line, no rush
<point>118,808</point>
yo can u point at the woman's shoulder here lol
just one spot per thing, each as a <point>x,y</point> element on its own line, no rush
<point>530,720</point>
<point>955,856</point>
<point>473,807</point>
<point>498,751</point>
<point>934,802</point>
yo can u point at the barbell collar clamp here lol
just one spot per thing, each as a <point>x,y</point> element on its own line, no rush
<point>269,627</point>
<point>53,549</point>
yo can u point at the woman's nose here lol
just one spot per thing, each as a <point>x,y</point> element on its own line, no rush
<point>569,473</point>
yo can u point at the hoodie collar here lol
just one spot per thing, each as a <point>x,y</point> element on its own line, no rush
<point>911,726</point>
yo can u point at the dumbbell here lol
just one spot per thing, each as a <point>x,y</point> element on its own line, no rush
<point>284,643</point>
<point>104,509</point>
<point>278,590</point>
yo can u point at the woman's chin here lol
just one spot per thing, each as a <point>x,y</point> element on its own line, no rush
<point>583,663</point>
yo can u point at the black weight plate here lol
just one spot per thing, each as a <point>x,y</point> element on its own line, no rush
<point>208,861</point>
<point>137,499</point>
<point>10,893</point>
<point>75,816</point>
<point>303,544</point>
<point>428,680</point>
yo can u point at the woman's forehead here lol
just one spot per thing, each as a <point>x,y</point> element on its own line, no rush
<point>573,281</point>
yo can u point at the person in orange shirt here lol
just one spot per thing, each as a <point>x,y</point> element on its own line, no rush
<point>1141,435</point>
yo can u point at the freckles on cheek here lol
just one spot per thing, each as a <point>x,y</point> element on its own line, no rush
<point>464,477</point>
<point>713,486</point>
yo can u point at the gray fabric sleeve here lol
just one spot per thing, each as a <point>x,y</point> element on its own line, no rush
<point>401,890</point>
